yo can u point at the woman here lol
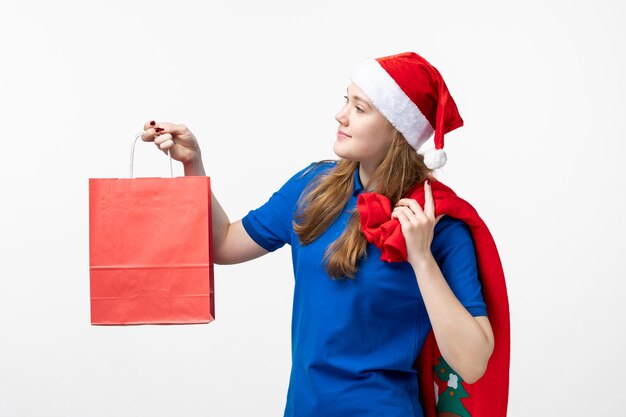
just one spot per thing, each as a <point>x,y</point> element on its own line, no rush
<point>359,322</point>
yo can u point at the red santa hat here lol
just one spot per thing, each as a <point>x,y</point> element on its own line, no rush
<point>412,95</point>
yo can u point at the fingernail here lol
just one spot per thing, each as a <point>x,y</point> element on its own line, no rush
<point>152,123</point>
<point>158,129</point>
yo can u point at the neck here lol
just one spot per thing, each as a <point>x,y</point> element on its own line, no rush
<point>365,173</point>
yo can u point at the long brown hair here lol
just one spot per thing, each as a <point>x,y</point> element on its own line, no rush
<point>324,201</point>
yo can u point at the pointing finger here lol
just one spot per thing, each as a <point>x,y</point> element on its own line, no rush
<point>429,204</point>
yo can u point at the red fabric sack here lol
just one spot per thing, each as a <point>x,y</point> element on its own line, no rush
<point>442,391</point>
<point>150,251</point>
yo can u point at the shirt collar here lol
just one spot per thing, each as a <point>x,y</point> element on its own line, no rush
<point>358,187</point>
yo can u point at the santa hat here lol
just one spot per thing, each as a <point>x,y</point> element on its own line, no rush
<point>412,95</point>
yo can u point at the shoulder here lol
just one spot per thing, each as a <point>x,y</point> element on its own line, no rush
<point>305,176</point>
<point>449,224</point>
<point>451,231</point>
<point>294,186</point>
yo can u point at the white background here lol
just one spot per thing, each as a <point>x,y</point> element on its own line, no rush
<point>540,85</point>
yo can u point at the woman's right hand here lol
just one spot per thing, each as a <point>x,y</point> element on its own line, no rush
<point>179,141</point>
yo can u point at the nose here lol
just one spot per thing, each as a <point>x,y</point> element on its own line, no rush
<point>342,116</point>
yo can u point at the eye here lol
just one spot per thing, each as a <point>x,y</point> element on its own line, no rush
<point>359,109</point>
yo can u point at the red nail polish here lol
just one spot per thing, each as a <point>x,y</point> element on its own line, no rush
<point>158,129</point>
<point>152,123</point>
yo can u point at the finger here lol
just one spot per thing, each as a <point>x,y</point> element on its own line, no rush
<point>149,125</point>
<point>164,147</point>
<point>407,213</point>
<point>429,204</point>
<point>412,204</point>
<point>168,144</point>
<point>153,128</point>
<point>401,216</point>
<point>164,142</point>
<point>404,201</point>
<point>404,209</point>
<point>172,128</point>
<point>162,138</point>
<point>148,135</point>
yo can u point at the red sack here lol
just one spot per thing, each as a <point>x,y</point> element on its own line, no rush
<point>150,251</point>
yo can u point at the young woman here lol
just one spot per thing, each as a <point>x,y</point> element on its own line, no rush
<point>359,322</point>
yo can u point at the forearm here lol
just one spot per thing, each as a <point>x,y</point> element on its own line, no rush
<point>219,218</point>
<point>461,339</point>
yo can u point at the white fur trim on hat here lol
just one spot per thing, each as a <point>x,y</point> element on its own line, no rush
<point>392,102</point>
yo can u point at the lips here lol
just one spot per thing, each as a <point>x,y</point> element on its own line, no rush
<point>340,133</point>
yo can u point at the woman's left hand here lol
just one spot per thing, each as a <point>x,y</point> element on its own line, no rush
<point>418,224</point>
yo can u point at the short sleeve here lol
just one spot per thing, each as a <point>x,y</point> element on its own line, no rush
<point>270,225</point>
<point>453,249</point>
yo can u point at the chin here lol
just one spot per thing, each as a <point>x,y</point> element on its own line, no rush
<point>341,152</point>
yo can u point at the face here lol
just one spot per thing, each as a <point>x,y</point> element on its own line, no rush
<point>364,134</point>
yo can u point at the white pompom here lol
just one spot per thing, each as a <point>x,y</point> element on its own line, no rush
<point>435,158</point>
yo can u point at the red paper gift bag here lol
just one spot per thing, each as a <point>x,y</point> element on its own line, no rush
<point>150,251</point>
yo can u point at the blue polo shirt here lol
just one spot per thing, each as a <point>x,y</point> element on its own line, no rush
<point>354,341</point>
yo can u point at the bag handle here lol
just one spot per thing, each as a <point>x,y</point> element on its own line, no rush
<point>132,157</point>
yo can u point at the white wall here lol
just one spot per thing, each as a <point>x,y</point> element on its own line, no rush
<point>540,85</point>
